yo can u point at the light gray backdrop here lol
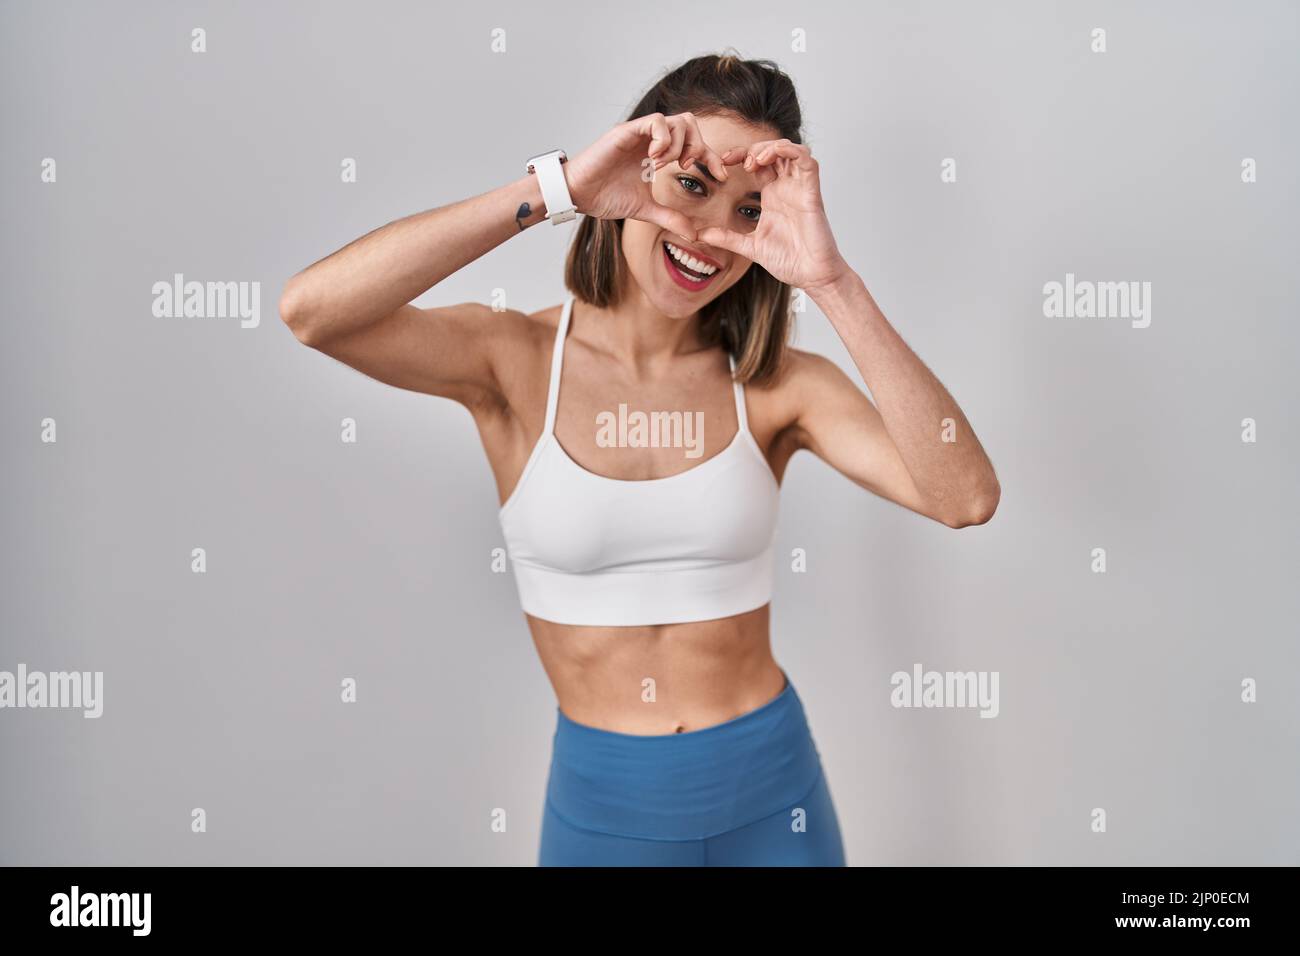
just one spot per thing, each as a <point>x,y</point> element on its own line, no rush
<point>1120,691</point>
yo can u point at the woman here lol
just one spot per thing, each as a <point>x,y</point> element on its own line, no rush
<point>638,434</point>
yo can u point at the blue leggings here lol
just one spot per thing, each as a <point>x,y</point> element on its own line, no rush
<point>747,792</point>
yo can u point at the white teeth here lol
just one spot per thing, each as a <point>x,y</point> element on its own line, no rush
<point>690,261</point>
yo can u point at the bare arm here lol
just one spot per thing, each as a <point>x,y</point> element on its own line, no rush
<point>918,449</point>
<point>353,304</point>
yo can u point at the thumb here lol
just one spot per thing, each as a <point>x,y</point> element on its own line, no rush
<point>666,218</point>
<point>739,243</point>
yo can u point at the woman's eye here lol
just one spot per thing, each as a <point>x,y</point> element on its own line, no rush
<point>691,185</point>
<point>751,213</point>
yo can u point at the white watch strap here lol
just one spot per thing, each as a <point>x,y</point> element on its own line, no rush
<point>555,191</point>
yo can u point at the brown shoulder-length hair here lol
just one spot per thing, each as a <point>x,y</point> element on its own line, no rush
<point>751,320</point>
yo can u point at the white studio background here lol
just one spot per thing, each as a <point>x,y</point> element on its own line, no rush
<point>1120,691</point>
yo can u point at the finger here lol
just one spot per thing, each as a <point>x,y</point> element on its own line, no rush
<point>752,151</point>
<point>734,156</point>
<point>696,150</point>
<point>737,242</point>
<point>762,163</point>
<point>666,218</point>
<point>766,156</point>
<point>656,127</point>
<point>714,164</point>
<point>765,175</point>
<point>674,150</point>
<point>690,139</point>
<point>799,155</point>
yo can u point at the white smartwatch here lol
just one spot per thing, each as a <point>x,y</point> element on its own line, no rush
<point>555,191</point>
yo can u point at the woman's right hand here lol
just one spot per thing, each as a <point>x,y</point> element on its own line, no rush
<point>611,178</point>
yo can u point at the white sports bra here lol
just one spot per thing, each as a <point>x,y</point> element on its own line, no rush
<point>592,550</point>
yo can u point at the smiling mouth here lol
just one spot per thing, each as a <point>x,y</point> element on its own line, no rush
<point>685,269</point>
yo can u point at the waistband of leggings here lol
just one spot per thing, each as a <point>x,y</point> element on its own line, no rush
<point>685,786</point>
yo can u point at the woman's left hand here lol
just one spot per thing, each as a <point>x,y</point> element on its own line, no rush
<point>793,239</point>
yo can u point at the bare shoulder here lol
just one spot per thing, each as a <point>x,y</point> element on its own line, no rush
<point>812,369</point>
<point>544,322</point>
<point>779,405</point>
<point>505,327</point>
<point>530,334</point>
<point>809,387</point>
<point>510,338</point>
<point>806,376</point>
<point>520,349</point>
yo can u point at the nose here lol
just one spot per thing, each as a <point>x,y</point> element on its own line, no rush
<point>712,213</point>
<point>702,218</point>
